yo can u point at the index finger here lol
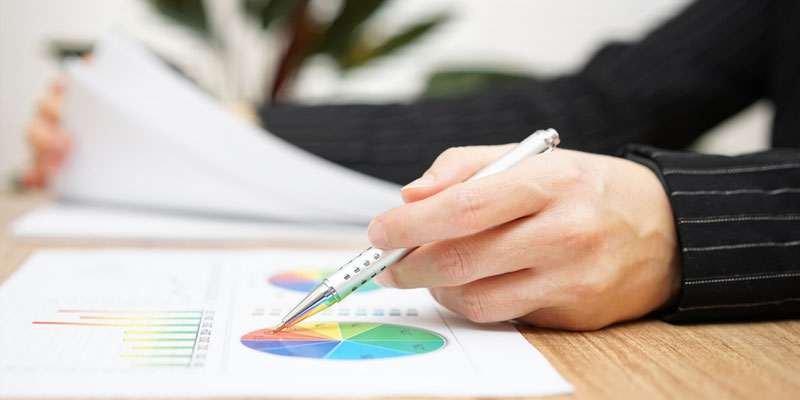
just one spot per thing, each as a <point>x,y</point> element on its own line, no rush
<point>454,165</point>
<point>460,210</point>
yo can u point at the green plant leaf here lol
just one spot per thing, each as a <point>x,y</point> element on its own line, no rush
<point>360,55</point>
<point>461,82</point>
<point>190,13</point>
<point>339,35</point>
<point>269,11</point>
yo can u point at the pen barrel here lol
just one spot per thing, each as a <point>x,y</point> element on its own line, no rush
<point>361,269</point>
<point>538,142</point>
<point>372,261</point>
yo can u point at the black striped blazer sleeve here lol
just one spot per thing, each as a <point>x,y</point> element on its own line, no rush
<point>738,223</point>
<point>702,66</point>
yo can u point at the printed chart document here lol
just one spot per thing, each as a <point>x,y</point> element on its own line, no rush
<point>145,136</point>
<point>161,323</point>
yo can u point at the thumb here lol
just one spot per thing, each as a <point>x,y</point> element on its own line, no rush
<point>454,165</point>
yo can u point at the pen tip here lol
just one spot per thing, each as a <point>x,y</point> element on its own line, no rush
<point>279,328</point>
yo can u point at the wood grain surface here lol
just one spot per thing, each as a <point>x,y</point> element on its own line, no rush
<point>645,359</point>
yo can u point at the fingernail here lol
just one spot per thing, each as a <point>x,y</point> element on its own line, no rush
<point>376,234</point>
<point>423,181</point>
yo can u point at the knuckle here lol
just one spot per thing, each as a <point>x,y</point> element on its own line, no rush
<point>591,290</point>
<point>451,153</point>
<point>468,207</point>
<point>590,237</point>
<point>533,190</point>
<point>452,266</point>
<point>586,229</point>
<point>568,169</point>
<point>474,306</point>
<point>444,158</point>
<point>451,156</point>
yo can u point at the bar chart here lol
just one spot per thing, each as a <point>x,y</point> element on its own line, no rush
<point>141,338</point>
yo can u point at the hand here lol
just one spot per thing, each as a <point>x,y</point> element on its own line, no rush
<point>48,141</point>
<point>564,240</point>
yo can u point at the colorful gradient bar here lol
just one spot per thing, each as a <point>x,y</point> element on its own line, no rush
<point>133,311</point>
<point>133,318</point>
<point>116,325</point>
<point>156,356</point>
<point>161,365</point>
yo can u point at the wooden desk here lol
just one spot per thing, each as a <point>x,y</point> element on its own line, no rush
<point>637,360</point>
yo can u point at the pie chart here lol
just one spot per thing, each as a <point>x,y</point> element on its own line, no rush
<point>344,341</point>
<point>306,280</point>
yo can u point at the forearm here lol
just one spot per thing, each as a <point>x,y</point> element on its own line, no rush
<point>738,224</point>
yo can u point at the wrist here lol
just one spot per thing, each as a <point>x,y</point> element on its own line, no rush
<point>658,228</point>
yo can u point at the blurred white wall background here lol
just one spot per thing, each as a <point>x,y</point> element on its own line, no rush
<point>546,37</point>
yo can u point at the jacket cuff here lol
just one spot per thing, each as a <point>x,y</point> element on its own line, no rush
<point>738,225</point>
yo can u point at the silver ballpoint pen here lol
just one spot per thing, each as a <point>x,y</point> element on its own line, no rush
<point>372,261</point>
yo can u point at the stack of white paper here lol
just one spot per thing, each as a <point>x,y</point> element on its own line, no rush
<point>144,136</point>
<point>81,221</point>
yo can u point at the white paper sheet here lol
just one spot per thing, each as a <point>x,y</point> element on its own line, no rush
<point>136,323</point>
<point>145,136</point>
<point>82,221</point>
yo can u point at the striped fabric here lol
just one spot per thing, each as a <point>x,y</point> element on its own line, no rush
<point>738,221</point>
<point>738,218</point>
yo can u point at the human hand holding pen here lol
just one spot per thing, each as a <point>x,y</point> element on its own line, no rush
<point>565,240</point>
